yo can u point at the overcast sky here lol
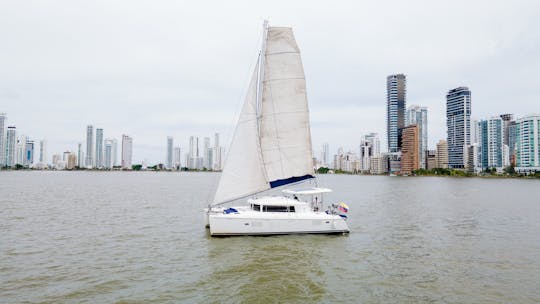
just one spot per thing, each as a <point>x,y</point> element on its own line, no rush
<point>153,69</point>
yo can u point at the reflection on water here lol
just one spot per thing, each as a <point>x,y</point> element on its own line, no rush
<point>265,269</point>
<point>89,237</point>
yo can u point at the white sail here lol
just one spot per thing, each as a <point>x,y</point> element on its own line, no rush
<point>284,122</point>
<point>242,173</point>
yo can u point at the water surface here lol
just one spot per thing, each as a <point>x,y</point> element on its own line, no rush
<point>138,237</point>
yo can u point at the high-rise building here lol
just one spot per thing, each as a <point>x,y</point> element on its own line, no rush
<point>410,155</point>
<point>512,139</point>
<point>458,119</point>
<point>11,145</point>
<point>43,152</point>
<point>127,151</point>
<point>528,144</point>
<point>89,146</point>
<point>507,119</point>
<point>208,163</point>
<point>218,153</point>
<point>369,147</point>
<point>29,153</point>
<point>379,164</point>
<point>442,154</point>
<point>2,139</point>
<point>418,115</point>
<point>80,156</point>
<point>177,157</point>
<point>491,143</point>
<point>71,161</point>
<point>396,94</point>
<point>99,148</point>
<point>20,149</point>
<point>474,158</point>
<point>108,162</point>
<point>169,162</point>
<point>325,155</point>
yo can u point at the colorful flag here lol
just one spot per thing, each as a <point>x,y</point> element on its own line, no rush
<point>343,207</point>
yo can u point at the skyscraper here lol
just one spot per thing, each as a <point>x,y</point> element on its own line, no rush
<point>89,146</point>
<point>208,162</point>
<point>410,153</point>
<point>108,161</point>
<point>99,148</point>
<point>491,142</point>
<point>512,140</point>
<point>325,155</point>
<point>507,119</point>
<point>43,152</point>
<point>396,94</point>
<point>2,140</point>
<point>11,143</point>
<point>177,157</point>
<point>80,156</point>
<point>418,115</point>
<point>458,119</point>
<point>169,162</point>
<point>127,151</point>
<point>29,153</point>
<point>218,153</point>
<point>369,147</point>
<point>20,150</point>
<point>528,144</point>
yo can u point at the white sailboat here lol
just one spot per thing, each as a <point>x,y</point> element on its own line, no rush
<point>271,148</point>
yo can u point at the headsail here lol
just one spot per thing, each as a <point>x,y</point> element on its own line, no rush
<point>242,172</point>
<point>271,146</point>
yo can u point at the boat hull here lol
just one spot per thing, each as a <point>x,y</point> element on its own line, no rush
<point>239,224</point>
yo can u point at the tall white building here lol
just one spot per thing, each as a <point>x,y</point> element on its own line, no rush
<point>114,151</point>
<point>169,161</point>
<point>418,115</point>
<point>528,144</point>
<point>127,151</point>
<point>177,157</point>
<point>11,146</point>
<point>108,153</point>
<point>43,152</point>
<point>89,146</point>
<point>80,156</point>
<point>208,161</point>
<point>99,148</point>
<point>217,154</point>
<point>2,139</point>
<point>369,147</point>
<point>21,149</point>
<point>325,155</point>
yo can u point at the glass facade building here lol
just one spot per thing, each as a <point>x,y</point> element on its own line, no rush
<point>396,93</point>
<point>458,119</point>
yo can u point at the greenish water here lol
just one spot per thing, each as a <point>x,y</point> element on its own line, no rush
<point>91,237</point>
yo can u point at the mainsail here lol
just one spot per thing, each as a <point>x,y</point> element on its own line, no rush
<point>271,146</point>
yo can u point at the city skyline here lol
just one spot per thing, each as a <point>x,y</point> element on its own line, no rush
<point>171,71</point>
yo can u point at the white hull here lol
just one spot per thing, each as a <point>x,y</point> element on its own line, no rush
<point>248,222</point>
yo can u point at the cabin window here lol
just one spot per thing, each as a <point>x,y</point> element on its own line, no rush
<point>291,208</point>
<point>256,207</point>
<point>275,209</point>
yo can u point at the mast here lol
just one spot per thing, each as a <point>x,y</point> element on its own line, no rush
<point>260,74</point>
<point>259,94</point>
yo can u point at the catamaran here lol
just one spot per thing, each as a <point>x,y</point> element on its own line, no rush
<point>271,148</point>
